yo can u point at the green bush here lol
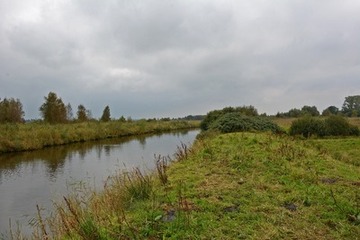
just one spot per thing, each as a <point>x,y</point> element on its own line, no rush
<point>237,122</point>
<point>332,126</point>
<point>308,126</point>
<point>339,126</point>
<point>214,115</point>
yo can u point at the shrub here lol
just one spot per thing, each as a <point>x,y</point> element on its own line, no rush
<point>308,127</point>
<point>237,122</point>
<point>214,115</point>
<point>332,126</point>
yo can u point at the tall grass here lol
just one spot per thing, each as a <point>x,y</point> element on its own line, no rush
<point>30,136</point>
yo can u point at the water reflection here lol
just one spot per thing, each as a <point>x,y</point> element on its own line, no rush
<point>37,177</point>
<point>54,157</point>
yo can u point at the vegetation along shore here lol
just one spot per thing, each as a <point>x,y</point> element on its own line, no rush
<point>244,177</point>
<point>31,136</point>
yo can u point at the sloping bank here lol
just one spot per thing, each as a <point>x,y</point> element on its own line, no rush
<point>31,136</point>
<point>227,186</point>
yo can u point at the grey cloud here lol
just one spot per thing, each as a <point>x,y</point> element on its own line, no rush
<point>145,58</point>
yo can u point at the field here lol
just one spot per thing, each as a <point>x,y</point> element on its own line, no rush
<point>30,136</point>
<point>286,122</point>
<point>227,186</point>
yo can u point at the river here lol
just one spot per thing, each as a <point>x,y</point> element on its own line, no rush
<point>42,176</point>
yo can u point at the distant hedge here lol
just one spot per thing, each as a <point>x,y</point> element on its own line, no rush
<point>331,126</point>
<point>237,122</point>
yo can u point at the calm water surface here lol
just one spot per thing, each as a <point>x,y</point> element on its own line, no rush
<point>39,177</point>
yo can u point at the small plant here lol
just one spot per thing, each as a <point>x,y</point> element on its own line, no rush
<point>138,186</point>
<point>161,167</point>
<point>182,152</point>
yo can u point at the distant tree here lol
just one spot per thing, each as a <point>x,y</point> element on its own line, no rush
<point>69,112</point>
<point>82,113</point>
<point>309,111</point>
<point>331,110</point>
<point>106,114</point>
<point>193,117</point>
<point>122,119</point>
<point>294,113</point>
<point>11,111</point>
<point>53,110</point>
<point>351,106</point>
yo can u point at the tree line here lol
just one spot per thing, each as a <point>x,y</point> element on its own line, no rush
<point>350,108</point>
<point>53,110</point>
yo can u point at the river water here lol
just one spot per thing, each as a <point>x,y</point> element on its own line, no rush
<point>42,176</point>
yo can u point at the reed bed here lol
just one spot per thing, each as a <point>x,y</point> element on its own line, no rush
<point>31,136</point>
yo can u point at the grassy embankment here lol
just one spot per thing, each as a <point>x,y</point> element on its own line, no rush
<point>30,136</point>
<point>228,186</point>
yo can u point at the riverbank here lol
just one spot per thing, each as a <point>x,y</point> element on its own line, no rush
<point>31,136</point>
<point>228,186</point>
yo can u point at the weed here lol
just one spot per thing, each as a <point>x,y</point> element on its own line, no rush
<point>138,186</point>
<point>161,167</point>
<point>182,152</point>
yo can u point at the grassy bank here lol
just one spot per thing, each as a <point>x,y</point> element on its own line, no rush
<point>30,136</point>
<point>229,186</point>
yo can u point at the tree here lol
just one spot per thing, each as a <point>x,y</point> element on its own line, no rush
<point>82,113</point>
<point>309,111</point>
<point>294,113</point>
<point>351,106</point>
<point>53,110</point>
<point>69,112</point>
<point>331,110</point>
<point>106,114</point>
<point>11,111</point>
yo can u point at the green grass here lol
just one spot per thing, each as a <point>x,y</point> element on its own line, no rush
<point>285,123</point>
<point>228,186</point>
<point>343,149</point>
<point>30,136</point>
<point>257,176</point>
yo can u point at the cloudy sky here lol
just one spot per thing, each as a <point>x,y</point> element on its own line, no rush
<point>172,58</point>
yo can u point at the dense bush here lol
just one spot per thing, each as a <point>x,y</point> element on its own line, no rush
<point>307,127</point>
<point>237,122</point>
<point>214,115</point>
<point>332,126</point>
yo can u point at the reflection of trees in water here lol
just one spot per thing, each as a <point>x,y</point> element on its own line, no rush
<point>54,158</point>
<point>107,149</point>
<point>142,141</point>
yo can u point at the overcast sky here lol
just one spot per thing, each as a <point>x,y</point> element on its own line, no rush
<point>172,58</point>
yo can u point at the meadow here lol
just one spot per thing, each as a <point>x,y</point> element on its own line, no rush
<point>31,136</point>
<point>286,122</point>
<point>226,186</point>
